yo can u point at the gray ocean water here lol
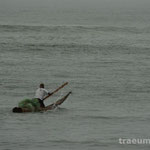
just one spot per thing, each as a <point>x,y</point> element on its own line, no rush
<point>104,54</point>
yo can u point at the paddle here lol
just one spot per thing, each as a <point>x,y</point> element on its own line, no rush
<point>56,90</point>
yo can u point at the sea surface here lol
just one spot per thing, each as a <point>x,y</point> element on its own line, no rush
<point>104,54</point>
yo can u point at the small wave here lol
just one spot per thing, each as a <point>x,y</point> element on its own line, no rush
<point>57,110</point>
<point>112,117</point>
<point>73,28</point>
<point>26,28</point>
<point>88,142</point>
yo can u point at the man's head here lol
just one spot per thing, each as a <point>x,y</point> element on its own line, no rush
<point>42,85</point>
<point>17,110</point>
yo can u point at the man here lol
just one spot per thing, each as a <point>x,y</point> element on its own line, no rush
<point>33,105</point>
<point>41,93</point>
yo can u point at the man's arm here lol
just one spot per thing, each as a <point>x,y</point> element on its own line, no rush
<point>47,93</point>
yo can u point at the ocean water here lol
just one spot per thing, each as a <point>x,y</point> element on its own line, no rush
<point>105,57</point>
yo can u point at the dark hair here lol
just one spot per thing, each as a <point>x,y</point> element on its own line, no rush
<point>42,85</point>
<point>17,110</point>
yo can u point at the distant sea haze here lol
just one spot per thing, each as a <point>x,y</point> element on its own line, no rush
<point>134,13</point>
